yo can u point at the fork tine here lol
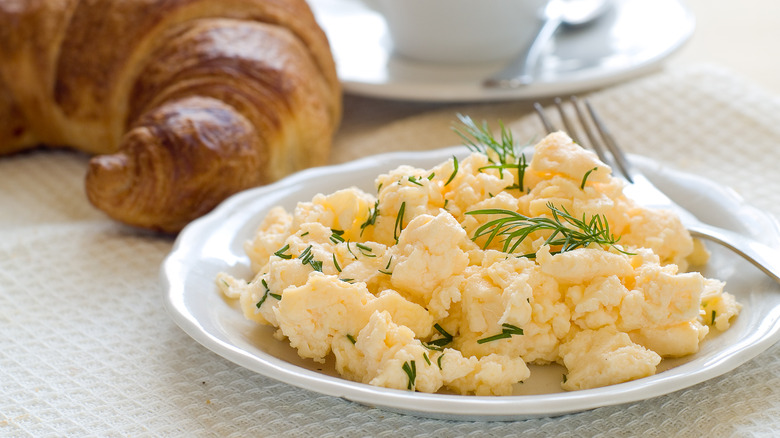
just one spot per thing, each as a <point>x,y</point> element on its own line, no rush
<point>617,153</point>
<point>595,141</point>
<point>566,123</point>
<point>548,126</point>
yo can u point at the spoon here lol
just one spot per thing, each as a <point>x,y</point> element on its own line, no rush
<point>557,13</point>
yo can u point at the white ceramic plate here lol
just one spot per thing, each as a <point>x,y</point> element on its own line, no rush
<point>632,39</point>
<point>214,243</point>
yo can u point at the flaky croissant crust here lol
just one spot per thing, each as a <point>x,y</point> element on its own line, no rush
<point>183,102</point>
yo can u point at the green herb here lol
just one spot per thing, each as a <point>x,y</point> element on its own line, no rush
<point>307,258</point>
<point>266,294</point>
<point>568,232</point>
<point>585,177</point>
<point>506,332</point>
<point>454,170</point>
<point>336,264</point>
<point>430,177</point>
<point>387,267</point>
<point>438,344</point>
<point>438,361</point>
<point>712,322</point>
<point>427,360</point>
<point>399,222</point>
<point>372,215</point>
<point>305,234</point>
<point>335,237</point>
<point>347,280</point>
<point>350,250</point>
<point>415,180</point>
<point>503,153</point>
<point>365,250</point>
<point>281,252</point>
<point>411,372</point>
<point>351,339</point>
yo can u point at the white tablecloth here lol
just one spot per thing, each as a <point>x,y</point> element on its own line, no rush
<point>86,348</point>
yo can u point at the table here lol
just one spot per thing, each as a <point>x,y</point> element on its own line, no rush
<point>88,350</point>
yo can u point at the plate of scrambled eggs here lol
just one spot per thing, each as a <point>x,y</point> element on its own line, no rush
<point>477,282</point>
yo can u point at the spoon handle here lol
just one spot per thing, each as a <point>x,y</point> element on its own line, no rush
<point>520,71</point>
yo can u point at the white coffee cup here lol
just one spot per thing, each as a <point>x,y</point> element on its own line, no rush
<point>460,31</point>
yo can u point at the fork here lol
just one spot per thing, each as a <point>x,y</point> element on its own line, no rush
<point>645,193</point>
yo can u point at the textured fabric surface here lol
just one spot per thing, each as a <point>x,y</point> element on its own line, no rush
<point>87,349</point>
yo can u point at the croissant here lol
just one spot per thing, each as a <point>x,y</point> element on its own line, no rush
<point>181,102</point>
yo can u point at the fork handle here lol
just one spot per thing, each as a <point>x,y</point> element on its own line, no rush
<point>762,256</point>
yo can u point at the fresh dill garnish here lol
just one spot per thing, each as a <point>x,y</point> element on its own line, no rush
<point>351,339</point>
<point>454,170</point>
<point>267,294</point>
<point>507,330</point>
<point>439,344</point>
<point>335,237</point>
<point>387,271</point>
<point>567,232</point>
<point>350,250</point>
<point>411,371</point>
<point>365,250</point>
<point>335,263</point>
<point>307,258</point>
<point>585,177</point>
<point>281,252</point>
<point>504,153</point>
<point>372,215</point>
<point>399,222</point>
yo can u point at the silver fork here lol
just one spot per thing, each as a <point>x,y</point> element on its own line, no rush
<point>641,190</point>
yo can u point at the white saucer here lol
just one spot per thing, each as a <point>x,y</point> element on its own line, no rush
<point>632,39</point>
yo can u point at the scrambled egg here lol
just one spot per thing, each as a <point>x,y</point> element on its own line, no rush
<point>418,288</point>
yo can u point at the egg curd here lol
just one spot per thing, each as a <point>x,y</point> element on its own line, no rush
<point>424,287</point>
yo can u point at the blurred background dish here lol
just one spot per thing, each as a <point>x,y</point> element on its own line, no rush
<point>631,39</point>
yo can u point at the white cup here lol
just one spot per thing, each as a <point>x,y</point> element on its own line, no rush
<point>460,31</point>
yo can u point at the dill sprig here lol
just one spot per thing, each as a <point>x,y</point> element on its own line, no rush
<point>267,294</point>
<point>507,330</point>
<point>411,372</point>
<point>454,170</point>
<point>439,344</point>
<point>567,231</point>
<point>399,222</point>
<point>372,215</point>
<point>504,153</point>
